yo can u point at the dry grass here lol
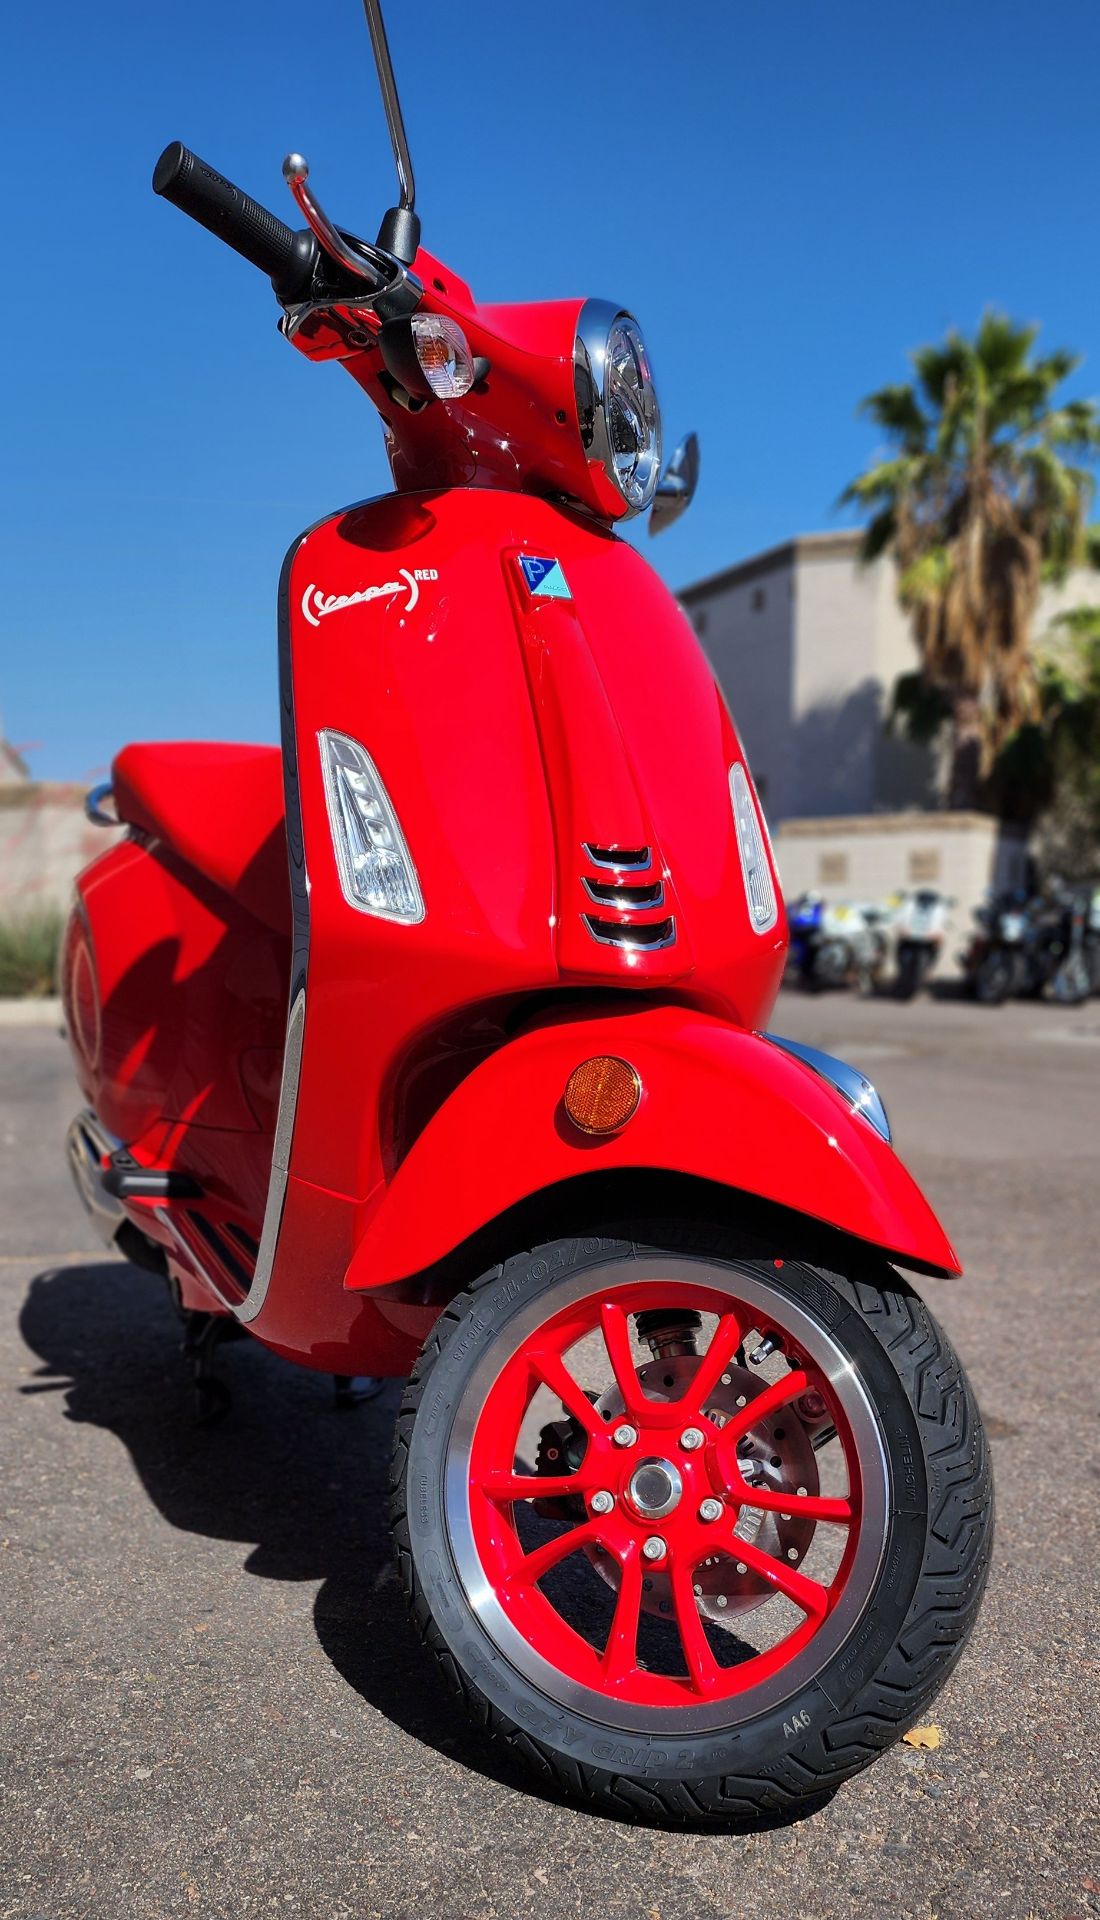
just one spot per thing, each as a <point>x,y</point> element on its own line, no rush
<point>28,953</point>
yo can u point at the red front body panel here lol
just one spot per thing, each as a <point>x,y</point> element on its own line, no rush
<point>517,735</point>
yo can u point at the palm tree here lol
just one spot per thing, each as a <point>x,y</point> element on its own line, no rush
<point>984,494</point>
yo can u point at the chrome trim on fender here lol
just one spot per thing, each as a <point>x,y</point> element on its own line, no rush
<point>852,1085</point>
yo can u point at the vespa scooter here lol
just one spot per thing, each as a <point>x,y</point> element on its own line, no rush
<point>433,1045</point>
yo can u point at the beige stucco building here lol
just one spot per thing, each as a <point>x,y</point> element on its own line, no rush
<point>807,644</point>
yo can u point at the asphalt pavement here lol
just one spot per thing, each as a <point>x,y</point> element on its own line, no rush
<point>212,1704</point>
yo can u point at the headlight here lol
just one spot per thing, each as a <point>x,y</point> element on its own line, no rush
<point>617,410</point>
<point>376,870</point>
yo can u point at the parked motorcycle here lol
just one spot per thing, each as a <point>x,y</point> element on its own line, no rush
<point>1031,947</point>
<point>433,1045</point>
<point>919,922</point>
<point>837,946</point>
<point>1092,937</point>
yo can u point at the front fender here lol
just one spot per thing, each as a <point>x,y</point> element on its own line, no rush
<point>718,1102</point>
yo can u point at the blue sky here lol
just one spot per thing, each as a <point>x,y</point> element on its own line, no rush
<point>789,195</point>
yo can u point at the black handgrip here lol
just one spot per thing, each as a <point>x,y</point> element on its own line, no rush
<point>289,258</point>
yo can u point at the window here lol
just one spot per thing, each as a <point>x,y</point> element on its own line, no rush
<point>699,621</point>
<point>832,869</point>
<point>924,863</point>
<point>759,599</point>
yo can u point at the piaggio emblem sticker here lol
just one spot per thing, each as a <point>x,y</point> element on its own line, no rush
<point>545,579</point>
<point>316,603</point>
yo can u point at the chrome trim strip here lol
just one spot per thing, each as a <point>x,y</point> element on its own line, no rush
<point>621,938</point>
<point>618,863</point>
<point>248,1308</point>
<point>626,903</point>
<point>852,1085</point>
<point>251,1307</point>
<point>189,1258</point>
<point>87,1144</point>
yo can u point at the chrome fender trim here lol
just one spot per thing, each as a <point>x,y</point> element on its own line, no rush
<point>852,1085</point>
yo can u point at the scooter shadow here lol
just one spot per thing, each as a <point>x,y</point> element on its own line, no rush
<point>291,1476</point>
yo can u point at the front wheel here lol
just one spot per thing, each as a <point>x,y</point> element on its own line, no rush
<point>694,1532</point>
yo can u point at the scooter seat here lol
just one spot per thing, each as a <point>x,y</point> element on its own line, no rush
<point>220,808</point>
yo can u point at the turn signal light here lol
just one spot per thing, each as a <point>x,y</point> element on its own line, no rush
<point>602,1094</point>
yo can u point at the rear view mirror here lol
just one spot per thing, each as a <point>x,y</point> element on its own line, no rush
<point>676,487</point>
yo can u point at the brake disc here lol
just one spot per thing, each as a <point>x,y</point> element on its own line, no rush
<point>777,1449</point>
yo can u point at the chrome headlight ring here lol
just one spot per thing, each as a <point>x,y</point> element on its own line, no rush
<point>617,408</point>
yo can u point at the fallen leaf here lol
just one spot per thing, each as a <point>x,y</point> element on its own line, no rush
<point>928,1738</point>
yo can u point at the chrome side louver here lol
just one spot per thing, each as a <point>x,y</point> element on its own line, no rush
<point>630,893</point>
<point>638,936</point>
<point>619,859</point>
<point>625,895</point>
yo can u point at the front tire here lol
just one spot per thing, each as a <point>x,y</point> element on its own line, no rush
<point>849,1562</point>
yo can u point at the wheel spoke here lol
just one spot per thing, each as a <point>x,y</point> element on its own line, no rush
<point>788,1388</point>
<point>616,1336</point>
<point>504,1487</point>
<point>806,1506</point>
<point>701,1663</point>
<point>620,1655</point>
<point>534,1566</point>
<point>724,1343</point>
<point>809,1595</point>
<point>553,1372</point>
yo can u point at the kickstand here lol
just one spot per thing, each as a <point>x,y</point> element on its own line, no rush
<point>349,1390</point>
<point>202,1335</point>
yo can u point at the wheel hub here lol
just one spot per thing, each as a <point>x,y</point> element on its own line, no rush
<point>654,1489</point>
<point>777,1454</point>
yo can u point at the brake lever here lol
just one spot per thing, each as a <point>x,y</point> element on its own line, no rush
<point>384,278</point>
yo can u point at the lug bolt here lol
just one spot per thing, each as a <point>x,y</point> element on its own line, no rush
<point>602,1502</point>
<point>653,1548</point>
<point>710,1509</point>
<point>625,1436</point>
<point>691,1439</point>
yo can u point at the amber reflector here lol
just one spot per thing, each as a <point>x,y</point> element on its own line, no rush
<point>602,1094</point>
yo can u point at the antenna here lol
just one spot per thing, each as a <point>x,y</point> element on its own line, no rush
<point>400,229</point>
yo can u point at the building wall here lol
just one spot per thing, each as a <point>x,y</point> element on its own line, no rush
<point>747,632</point>
<point>839,700</point>
<point>45,839</point>
<point>807,644</point>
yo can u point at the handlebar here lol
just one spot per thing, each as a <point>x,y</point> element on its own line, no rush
<point>289,258</point>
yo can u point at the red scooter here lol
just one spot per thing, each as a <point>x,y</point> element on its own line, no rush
<point>432,1045</point>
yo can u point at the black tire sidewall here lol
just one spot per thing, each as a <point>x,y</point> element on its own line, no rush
<point>755,1743</point>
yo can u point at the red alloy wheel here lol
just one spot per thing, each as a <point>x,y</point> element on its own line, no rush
<point>679,1482</point>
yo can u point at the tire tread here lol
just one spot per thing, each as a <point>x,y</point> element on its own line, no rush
<point>939,1619</point>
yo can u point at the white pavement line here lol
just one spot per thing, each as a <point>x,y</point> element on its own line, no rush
<point>44,1012</point>
<point>56,1259</point>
